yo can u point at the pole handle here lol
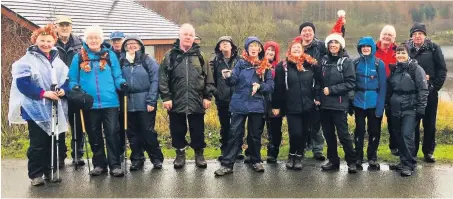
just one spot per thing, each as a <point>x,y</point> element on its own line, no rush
<point>82,121</point>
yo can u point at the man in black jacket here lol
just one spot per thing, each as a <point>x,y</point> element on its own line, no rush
<point>315,48</point>
<point>226,56</point>
<point>69,45</point>
<point>430,58</point>
<point>186,86</point>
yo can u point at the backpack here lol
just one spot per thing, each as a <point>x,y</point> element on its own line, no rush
<point>340,68</point>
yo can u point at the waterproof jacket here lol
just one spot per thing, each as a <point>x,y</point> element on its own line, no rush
<point>316,49</point>
<point>242,78</point>
<point>100,84</point>
<point>405,94</point>
<point>387,57</point>
<point>371,79</point>
<point>431,59</point>
<point>339,83</point>
<point>141,77</point>
<point>66,55</point>
<point>217,64</point>
<point>185,80</point>
<point>295,94</point>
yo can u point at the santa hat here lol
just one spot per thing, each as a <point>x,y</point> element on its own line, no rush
<point>337,31</point>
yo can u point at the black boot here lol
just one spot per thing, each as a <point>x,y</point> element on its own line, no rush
<point>136,165</point>
<point>199,159</point>
<point>372,164</point>
<point>396,167</point>
<point>298,162</point>
<point>157,164</point>
<point>271,160</point>
<point>180,160</point>
<point>330,166</point>
<point>352,168</point>
<point>406,171</point>
<point>290,161</point>
<point>429,158</point>
<point>358,164</point>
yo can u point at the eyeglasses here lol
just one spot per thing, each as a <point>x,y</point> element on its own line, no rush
<point>132,43</point>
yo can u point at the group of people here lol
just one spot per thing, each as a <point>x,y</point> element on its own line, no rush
<point>316,84</point>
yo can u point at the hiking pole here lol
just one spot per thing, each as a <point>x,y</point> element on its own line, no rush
<point>53,142</point>
<point>86,145</point>
<point>54,127</point>
<point>75,143</point>
<point>125,132</point>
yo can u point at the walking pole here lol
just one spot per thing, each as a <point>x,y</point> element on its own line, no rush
<point>53,142</point>
<point>125,132</point>
<point>75,143</point>
<point>54,127</point>
<point>86,145</point>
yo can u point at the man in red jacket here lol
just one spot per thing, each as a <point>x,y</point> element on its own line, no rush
<point>385,50</point>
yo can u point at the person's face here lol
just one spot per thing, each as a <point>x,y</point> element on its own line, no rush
<point>307,33</point>
<point>187,37</point>
<point>334,46</point>
<point>64,29</point>
<point>117,43</point>
<point>366,50</point>
<point>45,43</point>
<point>132,46</point>
<point>94,41</point>
<point>402,56</point>
<point>418,37</point>
<point>387,38</point>
<point>296,49</point>
<point>225,46</point>
<point>254,49</point>
<point>270,53</point>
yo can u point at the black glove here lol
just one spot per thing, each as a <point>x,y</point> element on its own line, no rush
<point>419,116</point>
<point>124,87</point>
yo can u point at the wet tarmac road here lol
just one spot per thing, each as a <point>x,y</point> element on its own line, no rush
<point>430,180</point>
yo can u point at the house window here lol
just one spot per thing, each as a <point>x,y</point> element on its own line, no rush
<point>149,50</point>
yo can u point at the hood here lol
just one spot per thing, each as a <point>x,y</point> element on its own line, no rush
<point>277,51</point>
<point>251,39</point>
<point>136,38</point>
<point>234,48</point>
<point>366,41</point>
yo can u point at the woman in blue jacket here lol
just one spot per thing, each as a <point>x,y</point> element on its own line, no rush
<point>251,79</point>
<point>141,74</point>
<point>96,70</point>
<point>39,79</point>
<point>369,100</point>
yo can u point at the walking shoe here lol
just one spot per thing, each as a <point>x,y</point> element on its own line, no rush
<point>247,159</point>
<point>157,164</point>
<point>406,171</point>
<point>136,165</point>
<point>330,166</point>
<point>98,171</point>
<point>258,167</point>
<point>352,168</point>
<point>319,156</point>
<point>199,159</point>
<point>239,156</point>
<point>290,161</point>
<point>271,160</point>
<point>298,162</point>
<point>429,158</point>
<point>358,164</point>
<point>118,172</point>
<point>37,181</point>
<point>180,160</point>
<point>78,162</point>
<point>223,171</point>
<point>396,167</point>
<point>372,164</point>
<point>395,152</point>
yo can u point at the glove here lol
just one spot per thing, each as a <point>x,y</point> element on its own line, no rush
<point>419,116</point>
<point>124,87</point>
<point>76,88</point>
